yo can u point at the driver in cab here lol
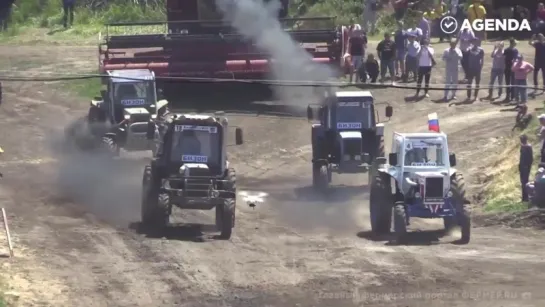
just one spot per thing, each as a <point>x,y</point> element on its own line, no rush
<point>415,155</point>
<point>188,143</point>
<point>125,91</point>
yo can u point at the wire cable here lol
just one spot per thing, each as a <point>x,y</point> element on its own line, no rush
<point>56,77</point>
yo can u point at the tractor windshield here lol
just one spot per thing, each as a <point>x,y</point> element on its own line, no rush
<point>134,94</point>
<point>424,152</point>
<point>196,144</point>
<point>353,115</point>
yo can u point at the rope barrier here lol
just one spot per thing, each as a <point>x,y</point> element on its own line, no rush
<point>287,83</point>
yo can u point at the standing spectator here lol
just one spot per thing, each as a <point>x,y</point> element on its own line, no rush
<point>68,10</point>
<point>5,13</point>
<point>475,61</point>
<point>370,16</point>
<point>498,69</point>
<point>540,13</point>
<point>538,42</point>
<point>510,53</point>
<point>452,57</point>
<point>386,53</point>
<point>465,37</point>
<point>541,135</point>
<point>372,68</point>
<point>477,11</point>
<point>416,32</point>
<point>424,26</point>
<point>400,40</point>
<point>400,8</point>
<point>411,62</point>
<point>356,48</point>
<point>521,69</point>
<point>526,160</point>
<point>425,63</point>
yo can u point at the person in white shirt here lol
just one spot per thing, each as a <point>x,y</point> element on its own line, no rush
<point>451,57</point>
<point>416,32</point>
<point>411,63</point>
<point>425,62</point>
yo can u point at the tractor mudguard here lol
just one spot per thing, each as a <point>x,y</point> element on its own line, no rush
<point>317,134</point>
<point>96,103</point>
<point>452,172</point>
<point>379,129</point>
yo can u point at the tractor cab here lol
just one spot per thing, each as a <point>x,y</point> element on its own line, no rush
<point>131,89</point>
<point>194,143</point>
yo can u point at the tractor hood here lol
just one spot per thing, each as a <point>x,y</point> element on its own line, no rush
<point>189,169</point>
<point>350,135</point>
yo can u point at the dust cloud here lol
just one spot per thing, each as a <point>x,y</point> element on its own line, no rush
<point>110,189</point>
<point>258,22</point>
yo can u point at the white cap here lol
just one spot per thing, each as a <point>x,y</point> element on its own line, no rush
<point>541,116</point>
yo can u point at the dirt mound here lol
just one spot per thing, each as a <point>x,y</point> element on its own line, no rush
<point>534,218</point>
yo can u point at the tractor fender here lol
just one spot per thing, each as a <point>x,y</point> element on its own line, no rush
<point>452,172</point>
<point>96,103</point>
<point>317,133</point>
<point>379,129</point>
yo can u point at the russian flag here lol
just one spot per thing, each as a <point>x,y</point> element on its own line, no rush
<point>433,122</point>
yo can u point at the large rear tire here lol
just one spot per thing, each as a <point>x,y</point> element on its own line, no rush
<point>400,222</point>
<point>380,205</point>
<point>462,206</point>
<point>231,186</point>
<point>380,148</point>
<point>152,214</point>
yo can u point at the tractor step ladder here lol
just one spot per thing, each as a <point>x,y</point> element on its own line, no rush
<point>6,228</point>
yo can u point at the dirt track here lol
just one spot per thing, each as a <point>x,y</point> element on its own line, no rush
<point>74,247</point>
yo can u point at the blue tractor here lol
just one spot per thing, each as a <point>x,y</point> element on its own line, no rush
<point>421,172</point>
<point>349,136</point>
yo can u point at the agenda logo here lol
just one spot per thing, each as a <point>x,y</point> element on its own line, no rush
<point>449,25</point>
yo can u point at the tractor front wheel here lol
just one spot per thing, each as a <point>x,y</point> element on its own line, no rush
<point>321,176</point>
<point>380,207</point>
<point>400,222</point>
<point>225,218</point>
<point>152,214</point>
<point>462,206</point>
<point>111,146</point>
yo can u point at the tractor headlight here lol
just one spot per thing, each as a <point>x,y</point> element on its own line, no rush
<point>346,157</point>
<point>449,194</point>
<point>417,195</point>
<point>127,116</point>
<point>357,157</point>
<point>153,116</point>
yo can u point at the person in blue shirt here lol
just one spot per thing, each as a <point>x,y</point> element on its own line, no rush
<point>400,39</point>
<point>68,11</point>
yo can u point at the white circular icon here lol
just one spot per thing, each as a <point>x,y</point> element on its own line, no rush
<point>449,24</point>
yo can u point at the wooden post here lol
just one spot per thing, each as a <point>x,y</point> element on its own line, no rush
<point>6,227</point>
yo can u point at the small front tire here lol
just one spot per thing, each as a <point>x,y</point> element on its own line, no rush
<point>400,223</point>
<point>225,218</point>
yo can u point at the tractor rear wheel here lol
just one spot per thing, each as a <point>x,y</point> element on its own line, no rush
<point>380,207</point>
<point>380,148</point>
<point>225,218</point>
<point>462,206</point>
<point>400,222</point>
<point>231,186</point>
<point>320,176</point>
<point>152,214</point>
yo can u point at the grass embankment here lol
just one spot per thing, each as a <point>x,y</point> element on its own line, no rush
<point>503,193</point>
<point>85,88</point>
<point>38,21</point>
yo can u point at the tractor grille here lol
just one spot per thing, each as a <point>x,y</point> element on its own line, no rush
<point>434,187</point>
<point>138,118</point>
<point>139,128</point>
<point>352,147</point>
